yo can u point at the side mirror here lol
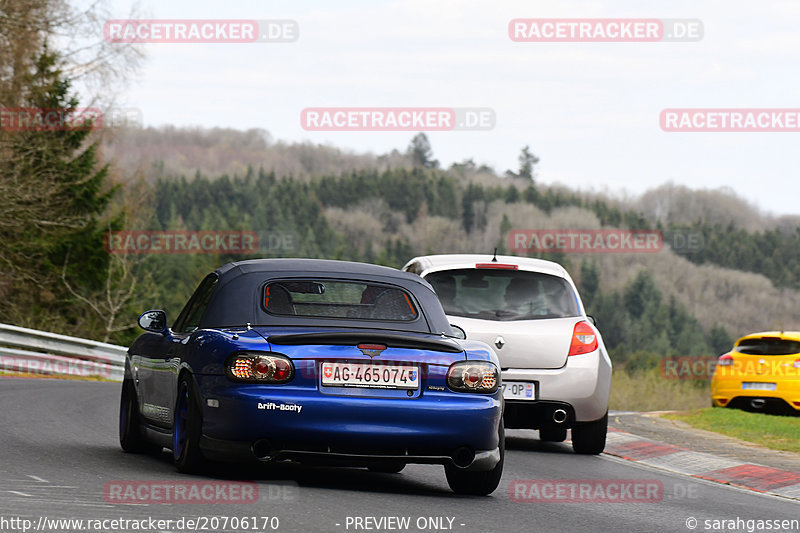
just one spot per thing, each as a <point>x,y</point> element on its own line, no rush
<point>458,332</point>
<point>592,319</point>
<point>155,321</point>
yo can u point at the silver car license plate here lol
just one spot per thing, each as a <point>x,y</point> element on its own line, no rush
<point>519,390</point>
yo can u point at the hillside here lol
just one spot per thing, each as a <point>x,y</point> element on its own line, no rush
<point>381,209</point>
<point>151,153</point>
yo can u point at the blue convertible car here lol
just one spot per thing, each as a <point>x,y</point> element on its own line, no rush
<point>313,360</point>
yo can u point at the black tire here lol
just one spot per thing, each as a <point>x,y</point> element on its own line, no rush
<point>131,438</point>
<point>552,434</point>
<point>589,438</point>
<point>187,428</point>
<point>394,467</point>
<point>477,483</point>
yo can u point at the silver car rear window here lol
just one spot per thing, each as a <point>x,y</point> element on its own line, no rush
<point>499,294</point>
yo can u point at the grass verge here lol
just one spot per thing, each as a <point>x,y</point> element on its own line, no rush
<point>771,431</point>
<point>648,390</point>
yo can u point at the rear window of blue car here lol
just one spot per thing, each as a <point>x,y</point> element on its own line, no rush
<point>338,299</point>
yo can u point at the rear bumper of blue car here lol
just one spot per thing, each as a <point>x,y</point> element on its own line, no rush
<point>272,423</point>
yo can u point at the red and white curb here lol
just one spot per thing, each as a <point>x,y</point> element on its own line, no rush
<point>751,476</point>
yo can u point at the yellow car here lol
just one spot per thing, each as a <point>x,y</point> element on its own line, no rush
<point>760,373</point>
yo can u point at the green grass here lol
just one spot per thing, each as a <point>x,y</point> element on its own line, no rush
<point>650,391</point>
<point>772,431</point>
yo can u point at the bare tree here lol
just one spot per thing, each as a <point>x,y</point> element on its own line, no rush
<point>109,304</point>
<point>46,47</point>
<point>89,60</point>
<point>127,278</point>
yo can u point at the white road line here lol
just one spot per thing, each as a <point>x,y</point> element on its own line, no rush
<point>37,478</point>
<point>68,505</point>
<point>14,482</point>
<point>18,493</point>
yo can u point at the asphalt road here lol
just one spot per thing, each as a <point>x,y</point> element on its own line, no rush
<point>59,459</point>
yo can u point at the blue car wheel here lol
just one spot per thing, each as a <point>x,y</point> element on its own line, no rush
<point>477,483</point>
<point>130,435</point>
<point>186,428</point>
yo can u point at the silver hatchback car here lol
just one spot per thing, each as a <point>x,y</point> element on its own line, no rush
<point>556,371</point>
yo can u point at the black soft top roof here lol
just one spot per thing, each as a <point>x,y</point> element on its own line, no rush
<point>237,296</point>
<point>311,265</point>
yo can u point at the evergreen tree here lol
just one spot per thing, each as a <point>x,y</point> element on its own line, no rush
<point>55,192</point>
<point>719,339</point>
<point>641,293</point>
<point>512,195</point>
<point>421,152</point>
<point>590,282</point>
<point>505,228</point>
<point>527,162</point>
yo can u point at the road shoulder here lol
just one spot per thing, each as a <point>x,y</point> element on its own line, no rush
<point>675,446</point>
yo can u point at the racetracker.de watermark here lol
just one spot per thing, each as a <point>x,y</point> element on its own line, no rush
<point>704,367</point>
<point>743,120</point>
<point>607,30</point>
<point>180,492</point>
<point>48,365</point>
<point>201,31</point>
<point>198,242</point>
<point>50,119</point>
<point>64,119</point>
<point>571,241</point>
<point>181,242</point>
<point>684,242</point>
<point>688,367</point>
<point>142,523</point>
<point>586,491</point>
<point>397,119</point>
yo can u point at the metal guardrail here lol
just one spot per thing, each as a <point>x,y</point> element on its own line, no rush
<point>40,352</point>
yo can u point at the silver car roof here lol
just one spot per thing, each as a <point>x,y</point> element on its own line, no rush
<point>429,263</point>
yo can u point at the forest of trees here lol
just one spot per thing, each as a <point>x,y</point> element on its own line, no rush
<point>774,253</point>
<point>65,190</point>
<point>640,324</point>
<point>56,192</point>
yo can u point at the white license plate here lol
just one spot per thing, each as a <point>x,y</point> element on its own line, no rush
<point>758,386</point>
<point>370,376</point>
<point>518,390</point>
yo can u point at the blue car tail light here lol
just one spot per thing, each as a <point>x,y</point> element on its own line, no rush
<point>253,367</point>
<point>473,376</point>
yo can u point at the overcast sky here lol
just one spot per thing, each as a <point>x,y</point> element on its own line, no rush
<point>590,111</point>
